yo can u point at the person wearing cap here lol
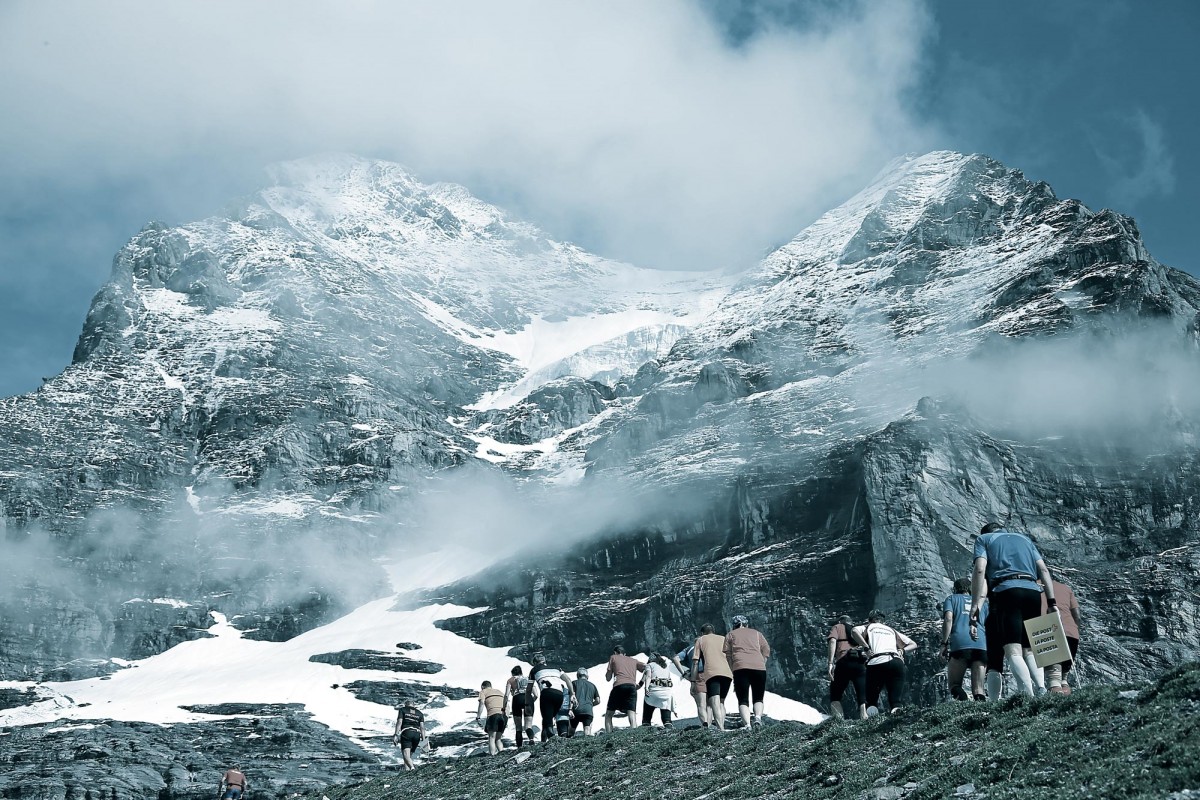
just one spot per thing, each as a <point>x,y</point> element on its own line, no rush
<point>747,652</point>
<point>1007,569</point>
<point>586,695</point>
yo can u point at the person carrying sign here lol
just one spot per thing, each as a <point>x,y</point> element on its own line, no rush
<point>1068,612</point>
<point>1007,569</point>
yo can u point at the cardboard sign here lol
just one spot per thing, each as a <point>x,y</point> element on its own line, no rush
<point>1047,639</point>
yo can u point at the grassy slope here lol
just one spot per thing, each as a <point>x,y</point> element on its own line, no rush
<point>1092,744</point>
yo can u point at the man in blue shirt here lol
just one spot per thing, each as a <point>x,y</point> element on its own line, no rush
<point>1007,569</point>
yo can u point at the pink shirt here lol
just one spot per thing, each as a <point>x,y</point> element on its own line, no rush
<point>746,649</point>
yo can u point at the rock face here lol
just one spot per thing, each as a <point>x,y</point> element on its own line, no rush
<point>952,346</point>
<point>258,401</point>
<point>376,660</point>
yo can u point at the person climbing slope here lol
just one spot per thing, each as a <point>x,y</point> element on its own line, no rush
<point>659,690</point>
<point>517,689</point>
<point>410,730</point>
<point>847,667</point>
<point>622,699</point>
<point>961,650</point>
<point>491,714</point>
<point>232,785</point>
<point>747,651</point>
<point>885,664</point>
<point>551,689</point>
<point>586,694</point>
<point>717,677</point>
<point>683,662</point>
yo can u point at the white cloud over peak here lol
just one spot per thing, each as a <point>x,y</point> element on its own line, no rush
<point>635,128</point>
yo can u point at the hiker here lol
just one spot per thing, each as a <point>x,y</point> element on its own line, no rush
<point>623,672</point>
<point>586,694</point>
<point>1007,568</point>
<point>847,666</point>
<point>683,662</point>
<point>1068,613</point>
<point>551,688</point>
<point>885,664</point>
<point>517,688</point>
<point>491,714</point>
<point>747,651</point>
<point>962,651</point>
<point>233,784</point>
<point>657,680</point>
<point>410,730</point>
<point>717,677</point>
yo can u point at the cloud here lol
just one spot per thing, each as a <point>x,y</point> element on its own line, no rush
<point>638,129</point>
<point>1147,170</point>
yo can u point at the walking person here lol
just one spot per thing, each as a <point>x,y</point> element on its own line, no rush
<point>1007,569</point>
<point>961,650</point>
<point>586,694</point>
<point>232,785</point>
<point>683,662</point>
<point>623,672</point>
<point>885,664</point>
<point>747,651</point>
<point>410,730</point>
<point>717,676</point>
<point>517,690</point>
<point>491,714</point>
<point>847,667</point>
<point>551,689</point>
<point>659,691</point>
<point>1068,613</point>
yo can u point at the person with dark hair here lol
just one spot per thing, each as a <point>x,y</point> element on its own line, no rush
<point>586,694</point>
<point>551,689</point>
<point>410,730</point>
<point>623,672</point>
<point>491,714</point>
<point>747,651</point>
<point>517,689</point>
<point>847,666</point>
<point>885,662</point>
<point>717,675</point>
<point>683,662</point>
<point>1007,569</point>
<point>961,651</point>
<point>659,695</point>
<point>233,784</point>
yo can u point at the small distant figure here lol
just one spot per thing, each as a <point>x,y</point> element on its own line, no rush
<point>517,688</point>
<point>847,667</point>
<point>959,648</point>
<point>885,664</point>
<point>586,694</point>
<point>683,662</point>
<point>1007,569</point>
<point>410,730</point>
<point>233,784</point>
<point>552,689</point>
<point>1068,613</point>
<point>747,651</point>
<point>717,676</point>
<point>622,699</point>
<point>659,691</point>
<point>491,714</point>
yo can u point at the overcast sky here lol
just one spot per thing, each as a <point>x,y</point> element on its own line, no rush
<point>678,133</point>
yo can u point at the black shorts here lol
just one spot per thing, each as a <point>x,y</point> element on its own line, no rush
<point>623,698</point>
<point>581,719</point>
<point>748,682</point>
<point>1007,611</point>
<point>889,675</point>
<point>718,685</point>
<point>518,706</point>
<point>496,723</point>
<point>849,671</point>
<point>1073,645</point>
<point>972,656</point>
<point>410,738</point>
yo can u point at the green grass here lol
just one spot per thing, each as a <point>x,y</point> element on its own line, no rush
<point>1091,744</point>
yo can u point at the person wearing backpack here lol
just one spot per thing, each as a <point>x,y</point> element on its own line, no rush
<point>958,648</point>
<point>683,662</point>
<point>885,663</point>
<point>551,689</point>
<point>847,666</point>
<point>1007,569</point>
<point>517,689</point>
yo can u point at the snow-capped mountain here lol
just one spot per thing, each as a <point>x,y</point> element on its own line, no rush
<point>259,403</point>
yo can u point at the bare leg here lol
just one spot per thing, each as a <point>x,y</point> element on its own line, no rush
<point>1035,672</point>
<point>954,677</point>
<point>406,754</point>
<point>995,684</point>
<point>632,717</point>
<point>758,712</point>
<point>862,711</point>
<point>608,715</point>
<point>744,713</point>
<point>835,709</point>
<point>978,680</point>
<point>701,706</point>
<point>717,705</point>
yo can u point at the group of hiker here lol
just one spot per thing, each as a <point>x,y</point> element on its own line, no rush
<point>983,630</point>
